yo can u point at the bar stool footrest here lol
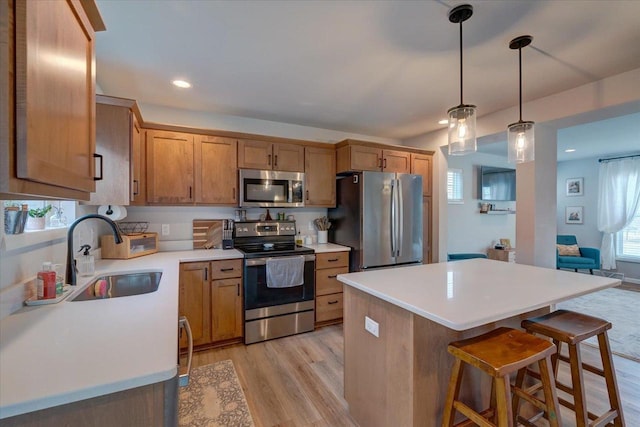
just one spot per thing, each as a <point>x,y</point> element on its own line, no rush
<point>477,418</point>
<point>530,398</point>
<point>604,419</point>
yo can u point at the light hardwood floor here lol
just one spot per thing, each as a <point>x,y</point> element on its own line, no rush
<point>298,380</point>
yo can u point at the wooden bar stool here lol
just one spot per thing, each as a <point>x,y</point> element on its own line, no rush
<point>564,326</point>
<point>499,353</point>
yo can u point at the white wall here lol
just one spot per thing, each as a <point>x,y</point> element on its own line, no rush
<point>180,221</point>
<point>468,229</point>
<point>206,120</point>
<point>587,233</point>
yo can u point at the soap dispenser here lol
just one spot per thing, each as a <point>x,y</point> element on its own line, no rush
<point>85,263</point>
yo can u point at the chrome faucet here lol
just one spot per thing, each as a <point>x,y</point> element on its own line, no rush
<point>71,268</point>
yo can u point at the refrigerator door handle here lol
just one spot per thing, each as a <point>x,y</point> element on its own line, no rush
<point>392,223</point>
<point>400,216</point>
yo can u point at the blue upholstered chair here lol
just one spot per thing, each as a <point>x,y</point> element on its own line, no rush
<point>589,257</point>
<point>456,257</point>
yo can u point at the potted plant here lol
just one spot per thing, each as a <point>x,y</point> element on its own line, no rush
<point>36,220</point>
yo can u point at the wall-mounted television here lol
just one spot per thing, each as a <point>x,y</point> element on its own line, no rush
<point>497,184</point>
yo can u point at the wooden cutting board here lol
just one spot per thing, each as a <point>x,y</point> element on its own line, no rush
<point>207,233</point>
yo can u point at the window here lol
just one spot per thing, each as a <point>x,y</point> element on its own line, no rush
<point>628,240</point>
<point>454,186</point>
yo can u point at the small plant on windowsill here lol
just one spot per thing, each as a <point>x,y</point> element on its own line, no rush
<point>37,218</point>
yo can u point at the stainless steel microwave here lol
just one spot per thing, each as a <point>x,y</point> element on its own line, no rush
<point>262,188</point>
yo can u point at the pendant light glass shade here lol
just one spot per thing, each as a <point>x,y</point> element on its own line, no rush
<point>521,141</point>
<point>462,130</point>
<point>462,118</point>
<point>520,135</point>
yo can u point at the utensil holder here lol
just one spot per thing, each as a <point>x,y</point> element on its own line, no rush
<point>322,236</point>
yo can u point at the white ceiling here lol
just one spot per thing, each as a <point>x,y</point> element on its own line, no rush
<point>381,68</point>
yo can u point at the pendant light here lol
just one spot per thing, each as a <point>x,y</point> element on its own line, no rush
<point>520,134</point>
<point>462,119</point>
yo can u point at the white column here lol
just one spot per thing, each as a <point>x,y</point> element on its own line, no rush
<point>536,226</point>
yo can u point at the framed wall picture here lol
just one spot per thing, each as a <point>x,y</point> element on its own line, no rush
<point>573,215</point>
<point>575,186</point>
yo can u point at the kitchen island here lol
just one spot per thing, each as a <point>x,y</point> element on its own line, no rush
<point>400,376</point>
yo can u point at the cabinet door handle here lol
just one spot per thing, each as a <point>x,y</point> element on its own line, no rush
<point>234,193</point>
<point>238,285</point>
<point>99,156</point>
<point>227,269</point>
<point>275,160</point>
<point>384,164</point>
<point>380,163</point>
<point>136,186</point>
<point>333,302</point>
<point>307,191</point>
<point>190,192</point>
<point>333,276</point>
<point>206,273</point>
<point>332,260</point>
<point>269,159</point>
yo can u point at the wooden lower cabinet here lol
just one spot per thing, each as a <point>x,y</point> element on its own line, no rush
<point>328,288</point>
<point>211,299</point>
<point>194,301</point>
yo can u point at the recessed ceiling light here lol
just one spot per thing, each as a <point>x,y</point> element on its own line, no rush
<point>569,150</point>
<point>181,83</point>
<point>443,122</point>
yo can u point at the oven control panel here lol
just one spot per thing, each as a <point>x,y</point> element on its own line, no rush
<point>265,228</point>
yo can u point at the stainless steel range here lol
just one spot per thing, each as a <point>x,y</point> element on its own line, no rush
<point>279,280</point>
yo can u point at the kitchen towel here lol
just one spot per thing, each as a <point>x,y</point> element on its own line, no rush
<point>285,272</point>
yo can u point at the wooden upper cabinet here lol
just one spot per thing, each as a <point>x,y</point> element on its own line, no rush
<point>118,143</point>
<point>255,154</point>
<point>320,176</point>
<point>264,155</point>
<point>51,137</point>
<point>358,158</point>
<point>421,164</point>
<point>194,301</point>
<point>216,165</point>
<point>288,157</point>
<point>396,161</point>
<point>138,186</point>
<point>170,161</point>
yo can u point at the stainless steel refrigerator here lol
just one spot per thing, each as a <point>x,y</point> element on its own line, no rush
<point>379,215</point>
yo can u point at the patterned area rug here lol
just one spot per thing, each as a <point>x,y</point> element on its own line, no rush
<point>213,397</point>
<point>622,309</point>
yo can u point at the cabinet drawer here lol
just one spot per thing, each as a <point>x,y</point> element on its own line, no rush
<point>329,307</point>
<point>332,260</point>
<point>226,268</point>
<point>326,282</point>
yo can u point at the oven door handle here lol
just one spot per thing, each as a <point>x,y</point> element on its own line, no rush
<point>252,262</point>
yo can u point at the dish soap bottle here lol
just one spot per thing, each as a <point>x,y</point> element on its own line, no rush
<point>46,287</point>
<point>85,263</point>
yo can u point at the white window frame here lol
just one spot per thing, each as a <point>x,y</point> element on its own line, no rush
<point>455,186</point>
<point>632,230</point>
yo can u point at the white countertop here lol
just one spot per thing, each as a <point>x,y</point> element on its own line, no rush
<point>464,294</point>
<point>60,353</point>
<point>321,248</point>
